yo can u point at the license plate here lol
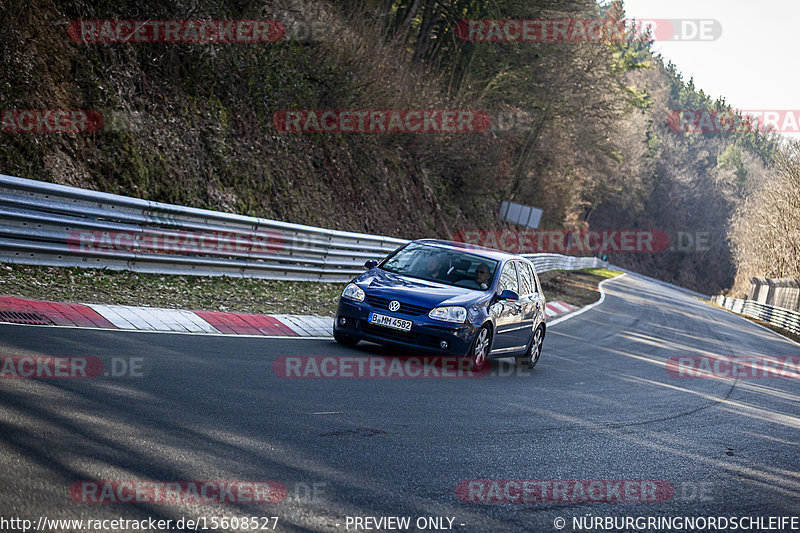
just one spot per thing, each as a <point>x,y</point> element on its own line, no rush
<point>390,322</point>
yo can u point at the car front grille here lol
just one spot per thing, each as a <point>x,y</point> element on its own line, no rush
<point>388,333</point>
<point>392,334</point>
<point>405,309</point>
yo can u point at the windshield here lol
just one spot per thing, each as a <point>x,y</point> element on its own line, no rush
<point>442,265</point>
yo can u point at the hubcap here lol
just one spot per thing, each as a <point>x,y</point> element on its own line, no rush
<point>481,346</point>
<point>537,345</point>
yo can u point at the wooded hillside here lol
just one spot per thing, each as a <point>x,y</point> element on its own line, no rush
<point>579,129</point>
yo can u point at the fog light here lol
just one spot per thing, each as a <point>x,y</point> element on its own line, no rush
<point>443,345</point>
<point>342,321</point>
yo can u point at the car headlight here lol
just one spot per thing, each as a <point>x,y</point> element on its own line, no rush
<point>449,314</point>
<point>353,292</point>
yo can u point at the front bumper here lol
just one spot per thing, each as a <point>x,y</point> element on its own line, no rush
<point>426,334</point>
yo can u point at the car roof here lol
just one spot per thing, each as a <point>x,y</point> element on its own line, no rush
<point>481,251</point>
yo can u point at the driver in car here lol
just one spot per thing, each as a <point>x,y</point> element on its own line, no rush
<point>481,280</point>
<point>434,269</point>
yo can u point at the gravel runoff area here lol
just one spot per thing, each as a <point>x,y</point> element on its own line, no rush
<point>245,295</point>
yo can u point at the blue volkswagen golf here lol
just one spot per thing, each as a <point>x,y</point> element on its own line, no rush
<point>447,298</point>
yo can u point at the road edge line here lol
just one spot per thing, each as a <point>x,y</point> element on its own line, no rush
<point>587,307</point>
<point>155,331</point>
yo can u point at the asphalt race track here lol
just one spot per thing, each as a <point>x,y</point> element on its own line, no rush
<point>600,405</point>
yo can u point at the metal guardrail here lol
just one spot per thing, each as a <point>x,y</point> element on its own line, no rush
<point>545,262</point>
<point>778,316</point>
<point>47,224</point>
<point>780,292</point>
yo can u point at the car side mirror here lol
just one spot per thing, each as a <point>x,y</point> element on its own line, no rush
<point>371,264</point>
<point>508,294</point>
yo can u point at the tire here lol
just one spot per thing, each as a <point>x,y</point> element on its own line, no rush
<point>347,340</point>
<point>478,354</point>
<point>534,351</point>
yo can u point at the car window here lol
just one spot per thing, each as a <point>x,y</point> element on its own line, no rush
<point>525,279</point>
<point>508,279</point>
<point>534,279</point>
<point>442,265</point>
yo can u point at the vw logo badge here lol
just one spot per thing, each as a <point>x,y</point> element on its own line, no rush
<point>394,305</point>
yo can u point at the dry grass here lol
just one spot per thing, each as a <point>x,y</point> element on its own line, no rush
<point>576,287</point>
<point>202,293</point>
<point>93,286</point>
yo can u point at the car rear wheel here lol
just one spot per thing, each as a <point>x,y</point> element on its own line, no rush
<point>478,355</point>
<point>534,350</point>
<point>345,339</point>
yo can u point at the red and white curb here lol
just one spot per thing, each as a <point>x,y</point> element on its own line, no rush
<point>558,308</point>
<point>128,318</point>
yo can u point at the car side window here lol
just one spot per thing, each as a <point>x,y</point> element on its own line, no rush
<point>508,278</point>
<point>525,279</point>
<point>534,278</point>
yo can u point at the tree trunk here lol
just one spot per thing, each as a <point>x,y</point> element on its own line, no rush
<point>424,36</point>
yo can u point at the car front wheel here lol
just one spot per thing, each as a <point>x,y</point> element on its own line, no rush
<point>478,355</point>
<point>344,339</point>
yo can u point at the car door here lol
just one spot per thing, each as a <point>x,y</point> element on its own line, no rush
<point>538,296</point>
<point>507,314</point>
<point>528,301</point>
